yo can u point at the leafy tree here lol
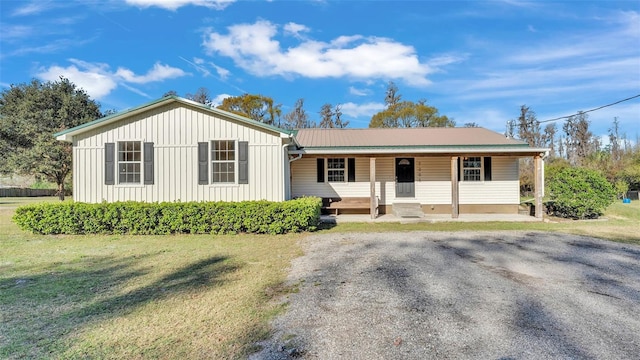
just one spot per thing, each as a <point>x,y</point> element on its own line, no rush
<point>579,193</point>
<point>29,114</point>
<point>407,114</point>
<point>471,125</point>
<point>170,93</point>
<point>298,117</point>
<point>631,176</point>
<point>257,107</point>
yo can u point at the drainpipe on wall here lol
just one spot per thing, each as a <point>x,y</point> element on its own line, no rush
<point>287,169</point>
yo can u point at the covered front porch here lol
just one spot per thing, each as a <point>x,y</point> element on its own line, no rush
<point>432,184</point>
<point>437,171</point>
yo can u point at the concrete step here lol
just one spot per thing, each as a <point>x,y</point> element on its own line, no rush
<point>407,210</point>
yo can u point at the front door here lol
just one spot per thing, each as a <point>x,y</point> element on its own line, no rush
<point>405,177</point>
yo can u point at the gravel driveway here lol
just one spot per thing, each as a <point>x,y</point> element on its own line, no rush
<point>462,295</point>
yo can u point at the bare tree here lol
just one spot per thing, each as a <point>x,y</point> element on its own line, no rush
<point>529,126</point>
<point>298,117</point>
<point>201,96</point>
<point>579,140</point>
<point>337,113</point>
<point>392,97</point>
<point>326,117</point>
<point>549,138</point>
<point>510,130</point>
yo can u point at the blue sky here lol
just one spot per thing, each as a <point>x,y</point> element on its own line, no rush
<point>476,61</point>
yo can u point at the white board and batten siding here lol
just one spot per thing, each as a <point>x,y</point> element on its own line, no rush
<point>432,182</point>
<point>175,131</point>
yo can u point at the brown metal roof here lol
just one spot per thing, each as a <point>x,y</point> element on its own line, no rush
<point>385,137</point>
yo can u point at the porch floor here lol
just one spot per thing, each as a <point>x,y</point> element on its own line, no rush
<point>428,218</point>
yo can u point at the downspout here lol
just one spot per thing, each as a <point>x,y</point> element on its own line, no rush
<point>287,168</point>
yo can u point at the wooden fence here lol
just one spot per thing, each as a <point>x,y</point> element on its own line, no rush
<point>22,192</point>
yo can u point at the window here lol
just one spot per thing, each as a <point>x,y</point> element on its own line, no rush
<point>472,168</point>
<point>223,161</point>
<point>335,170</point>
<point>129,162</point>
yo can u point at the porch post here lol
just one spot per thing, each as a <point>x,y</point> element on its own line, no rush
<point>455,211</point>
<point>538,184</point>
<point>372,183</point>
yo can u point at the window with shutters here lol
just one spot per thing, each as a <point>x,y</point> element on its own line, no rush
<point>476,168</point>
<point>223,161</point>
<point>335,169</point>
<point>472,168</point>
<point>129,162</point>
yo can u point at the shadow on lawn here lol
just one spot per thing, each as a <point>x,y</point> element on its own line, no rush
<point>40,309</point>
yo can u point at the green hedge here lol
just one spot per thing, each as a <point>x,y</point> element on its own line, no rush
<point>260,217</point>
<point>578,193</point>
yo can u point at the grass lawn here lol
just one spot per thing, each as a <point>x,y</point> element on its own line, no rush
<point>182,296</point>
<point>134,297</point>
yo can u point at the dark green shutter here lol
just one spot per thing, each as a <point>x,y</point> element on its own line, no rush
<point>460,172</point>
<point>351,169</point>
<point>148,163</point>
<point>320,167</point>
<point>243,162</point>
<point>109,163</point>
<point>203,163</point>
<point>487,168</point>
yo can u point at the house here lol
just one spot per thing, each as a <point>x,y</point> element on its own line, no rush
<point>174,149</point>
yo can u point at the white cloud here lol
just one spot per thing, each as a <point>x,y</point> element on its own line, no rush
<point>358,110</point>
<point>218,99</point>
<point>159,72</point>
<point>93,78</point>
<point>254,48</point>
<point>201,66</point>
<point>34,8</point>
<point>12,32</point>
<point>98,80</point>
<point>197,64</point>
<point>222,72</point>
<point>175,4</point>
<point>359,92</point>
<point>134,90</point>
<point>294,29</point>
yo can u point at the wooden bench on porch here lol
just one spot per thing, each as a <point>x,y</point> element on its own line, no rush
<point>348,203</point>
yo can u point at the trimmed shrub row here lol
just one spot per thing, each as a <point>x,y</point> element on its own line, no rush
<point>259,217</point>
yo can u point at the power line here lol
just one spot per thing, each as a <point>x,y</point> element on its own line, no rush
<point>590,110</point>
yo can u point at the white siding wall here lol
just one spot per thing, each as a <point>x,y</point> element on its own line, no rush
<point>503,189</point>
<point>433,182</point>
<point>175,131</point>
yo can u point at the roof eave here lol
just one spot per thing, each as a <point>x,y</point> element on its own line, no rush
<point>67,135</point>
<point>520,150</point>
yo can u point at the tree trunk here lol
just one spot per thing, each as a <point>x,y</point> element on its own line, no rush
<point>61,191</point>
